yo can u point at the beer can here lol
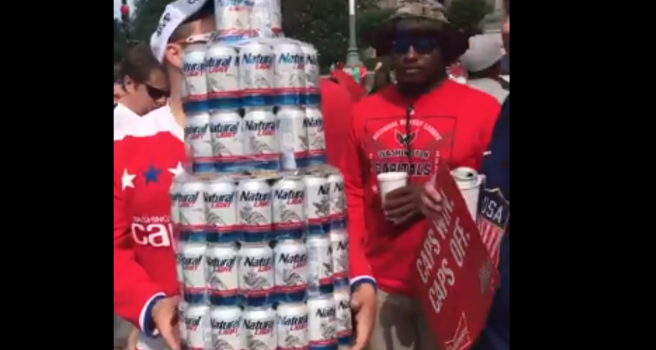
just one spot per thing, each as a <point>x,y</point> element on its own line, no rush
<point>343,323</point>
<point>337,202</point>
<point>194,273</point>
<point>261,139</point>
<point>197,135</point>
<point>289,73</point>
<point>222,274</point>
<point>221,211</point>
<point>317,204</point>
<point>195,79</point>
<point>469,183</point>
<point>316,137</point>
<point>256,74</point>
<point>232,18</point>
<point>292,137</point>
<point>312,76</point>
<point>197,321</point>
<point>174,194</point>
<point>256,284</point>
<point>288,204</point>
<point>291,271</point>
<point>266,18</point>
<point>339,244</point>
<point>254,210</point>
<point>222,66</point>
<point>259,327</point>
<point>225,324</point>
<point>320,266</point>
<point>191,202</point>
<point>321,323</point>
<point>292,322</point>
<point>182,309</point>
<point>179,273</point>
<point>227,140</point>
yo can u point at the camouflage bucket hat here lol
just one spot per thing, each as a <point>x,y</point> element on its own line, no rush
<point>453,43</point>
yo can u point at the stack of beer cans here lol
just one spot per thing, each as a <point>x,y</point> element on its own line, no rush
<point>259,218</point>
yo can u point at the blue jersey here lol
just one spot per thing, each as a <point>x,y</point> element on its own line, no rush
<point>494,224</point>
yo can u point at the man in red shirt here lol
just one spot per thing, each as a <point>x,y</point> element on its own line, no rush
<point>147,156</point>
<point>405,127</point>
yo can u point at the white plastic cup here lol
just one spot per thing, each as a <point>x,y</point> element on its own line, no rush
<point>388,182</point>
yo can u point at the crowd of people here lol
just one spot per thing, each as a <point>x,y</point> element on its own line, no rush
<point>413,106</point>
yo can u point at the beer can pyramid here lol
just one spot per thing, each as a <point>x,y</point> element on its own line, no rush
<point>259,218</point>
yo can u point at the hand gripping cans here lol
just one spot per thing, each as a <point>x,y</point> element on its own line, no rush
<point>289,73</point>
<point>222,70</point>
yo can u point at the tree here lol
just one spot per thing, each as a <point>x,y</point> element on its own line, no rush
<point>369,21</point>
<point>467,15</point>
<point>146,17</point>
<point>119,41</point>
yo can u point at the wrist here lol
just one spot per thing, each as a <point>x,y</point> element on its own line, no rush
<point>148,325</point>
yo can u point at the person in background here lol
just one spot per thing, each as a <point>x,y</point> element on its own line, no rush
<point>493,218</point>
<point>382,75</point>
<point>146,159</point>
<point>144,83</point>
<point>355,90</point>
<point>403,128</point>
<point>336,106</point>
<point>483,65</point>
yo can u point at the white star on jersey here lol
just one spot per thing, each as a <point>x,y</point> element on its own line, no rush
<point>177,170</point>
<point>127,179</point>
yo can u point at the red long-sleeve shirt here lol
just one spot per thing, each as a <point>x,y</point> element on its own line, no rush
<point>453,119</point>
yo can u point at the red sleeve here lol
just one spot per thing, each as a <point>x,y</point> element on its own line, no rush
<point>351,167</point>
<point>488,113</point>
<point>336,108</point>
<point>134,291</point>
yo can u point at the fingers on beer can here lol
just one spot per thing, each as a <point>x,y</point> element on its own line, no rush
<point>343,322</point>
<point>225,324</point>
<point>227,141</point>
<point>259,327</point>
<point>254,209</point>
<point>288,205</point>
<point>221,211</point>
<point>322,327</point>
<point>195,79</point>
<point>292,326</point>
<point>291,271</point>
<point>320,266</point>
<point>197,322</point>
<point>292,137</point>
<point>256,282</point>
<point>317,204</point>
<point>316,136</point>
<point>222,274</point>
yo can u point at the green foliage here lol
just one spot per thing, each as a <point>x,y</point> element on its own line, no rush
<point>119,41</point>
<point>146,18</point>
<point>467,15</point>
<point>368,23</point>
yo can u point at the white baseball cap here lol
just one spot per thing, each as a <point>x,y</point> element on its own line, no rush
<point>484,51</point>
<point>174,15</point>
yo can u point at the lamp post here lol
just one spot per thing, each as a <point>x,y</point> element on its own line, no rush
<point>353,62</point>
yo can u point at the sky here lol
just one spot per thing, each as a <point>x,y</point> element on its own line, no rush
<point>117,7</point>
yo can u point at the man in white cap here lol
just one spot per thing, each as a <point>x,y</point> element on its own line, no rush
<point>147,156</point>
<point>483,65</point>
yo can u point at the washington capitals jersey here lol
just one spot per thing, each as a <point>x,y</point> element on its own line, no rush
<point>494,225</point>
<point>147,156</point>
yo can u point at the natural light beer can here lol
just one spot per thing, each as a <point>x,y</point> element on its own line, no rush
<point>289,73</point>
<point>320,266</point>
<point>261,139</point>
<point>259,327</point>
<point>227,140</point>
<point>195,79</point>
<point>194,273</point>
<point>337,202</point>
<point>343,324</point>
<point>321,323</point>
<point>254,210</point>
<point>291,270</point>
<point>292,326</point>
<point>292,137</point>
<point>317,204</point>
<point>469,183</point>
<point>197,135</point>
<point>182,309</point>
<point>313,125</point>
<point>221,211</point>
<point>288,204</point>
<point>191,203</point>
<point>265,20</point>
<point>222,274</point>
<point>174,196</point>
<point>232,18</point>
<point>225,324</point>
<point>256,284</point>
<point>222,66</point>
<point>256,74</point>
<point>197,321</point>
<point>312,76</point>
<point>339,246</point>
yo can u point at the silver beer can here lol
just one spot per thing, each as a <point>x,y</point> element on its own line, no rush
<point>256,283</point>
<point>292,326</point>
<point>221,211</point>
<point>261,139</point>
<point>322,329</point>
<point>222,65</point>
<point>195,79</point>
<point>227,140</point>
<point>316,137</point>
<point>197,322</point>
<point>337,201</point>
<point>469,183</point>
<point>222,274</point>
<point>289,73</point>
<point>194,273</point>
<point>256,60</point>
<point>292,137</point>
<point>340,246</point>
<point>191,202</point>
<point>259,327</point>
<point>312,76</point>
<point>317,204</point>
<point>254,210</point>
<point>288,204</point>
<point>343,323</point>
<point>320,266</point>
<point>291,270</point>
<point>225,324</point>
<point>197,135</point>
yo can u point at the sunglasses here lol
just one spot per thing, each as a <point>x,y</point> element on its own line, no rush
<point>156,93</point>
<point>422,46</point>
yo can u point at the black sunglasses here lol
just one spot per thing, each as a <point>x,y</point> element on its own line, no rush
<point>422,46</point>
<point>156,93</point>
